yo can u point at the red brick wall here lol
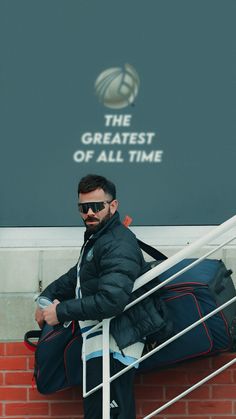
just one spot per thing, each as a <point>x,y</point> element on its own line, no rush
<point>214,400</point>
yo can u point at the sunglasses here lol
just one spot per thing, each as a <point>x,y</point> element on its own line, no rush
<point>95,206</point>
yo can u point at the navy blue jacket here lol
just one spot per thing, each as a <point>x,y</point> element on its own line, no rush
<point>112,260</point>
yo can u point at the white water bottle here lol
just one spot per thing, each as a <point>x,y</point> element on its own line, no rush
<point>44,302</point>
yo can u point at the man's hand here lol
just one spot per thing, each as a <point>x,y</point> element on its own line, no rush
<point>50,315</point>
<point>39,317</point>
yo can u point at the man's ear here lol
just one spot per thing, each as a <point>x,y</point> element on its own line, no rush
<point>114,206</point>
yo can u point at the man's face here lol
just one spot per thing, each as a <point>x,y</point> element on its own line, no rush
<point>92,218</point>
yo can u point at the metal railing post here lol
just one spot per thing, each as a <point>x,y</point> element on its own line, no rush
<point>106,370</point>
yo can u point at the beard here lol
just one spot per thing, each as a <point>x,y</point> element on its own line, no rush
<point>100,223</point>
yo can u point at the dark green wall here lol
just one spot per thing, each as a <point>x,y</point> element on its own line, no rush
<point>184,52</point>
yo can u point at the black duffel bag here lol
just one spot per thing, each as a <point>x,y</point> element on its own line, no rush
<point>58,363</point>
<point>188,298</point>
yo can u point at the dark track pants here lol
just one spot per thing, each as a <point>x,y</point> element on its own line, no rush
<point>121,391</point>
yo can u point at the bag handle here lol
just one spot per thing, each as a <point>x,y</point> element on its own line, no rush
<point>32,334</point>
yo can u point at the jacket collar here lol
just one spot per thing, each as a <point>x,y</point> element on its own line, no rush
<point>114,220</point>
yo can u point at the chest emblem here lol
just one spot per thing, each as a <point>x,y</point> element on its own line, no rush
<point>89,255</point>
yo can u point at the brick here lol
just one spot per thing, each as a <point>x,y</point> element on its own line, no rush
<point>60,409</point>
<point>12,363</point>
<point>26,409</point>
<point>1,409</point>
<point>2,348</point>
<point>202,392</point>
<point>210,407</point>
<point>190,417</point>
<point>18,378</point>
<point>176,408</point>
<point>30,363</point>
<point>183,417</point>
<point>1,378</point>
<point>222,359</point>
<point>224,378</point>
<point>222,417</point>
<point>186,417</point>
<point>155,417</point>
<point>61,395</point>
<point>197,364</point>
<point>16,348</point>
<point>225,391</point>
<point>13,393</point>
<point>149,393</point>
<point>165,377</point>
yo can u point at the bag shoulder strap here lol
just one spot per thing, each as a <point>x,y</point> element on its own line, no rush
<point>151,251</point>
<point>144,246</point>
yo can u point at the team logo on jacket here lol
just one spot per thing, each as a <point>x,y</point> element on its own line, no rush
<point>89,255</point>
<point>117,87</point>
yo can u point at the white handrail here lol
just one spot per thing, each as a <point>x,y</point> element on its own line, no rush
<point>198,384</point>
<point>148,276</point>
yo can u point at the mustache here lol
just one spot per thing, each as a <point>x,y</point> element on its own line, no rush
<point>91,219</point>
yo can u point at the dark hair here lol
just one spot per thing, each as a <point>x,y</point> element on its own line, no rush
<point>91,182</point>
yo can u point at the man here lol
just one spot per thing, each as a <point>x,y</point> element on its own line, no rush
<point>98,287</point>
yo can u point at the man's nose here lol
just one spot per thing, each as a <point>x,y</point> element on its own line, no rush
<point>90,211</point>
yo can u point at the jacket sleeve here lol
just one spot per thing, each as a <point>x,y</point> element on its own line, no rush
<point>62,288</point>
<point>119,265</point>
